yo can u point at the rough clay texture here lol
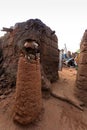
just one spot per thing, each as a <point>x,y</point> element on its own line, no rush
<point>81,80</point>
<point>28,102</point>
<point>12,43</point>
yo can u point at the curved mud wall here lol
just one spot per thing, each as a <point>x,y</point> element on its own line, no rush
<point>81,80</point>
<point>49,57</point>
<point>12,42</point>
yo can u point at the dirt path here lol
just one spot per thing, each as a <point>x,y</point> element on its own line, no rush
<point>64,89</point>
<point>56,114</point>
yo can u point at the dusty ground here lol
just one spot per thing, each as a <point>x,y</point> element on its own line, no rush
<point>56,114</point>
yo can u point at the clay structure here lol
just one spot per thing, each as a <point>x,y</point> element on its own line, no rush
<point>12,43</point>
<point>28,102</point>
<point>81,80</point>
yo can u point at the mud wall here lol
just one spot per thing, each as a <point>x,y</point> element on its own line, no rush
<point>12,43</point>
<point>81,80</point>
<point>49,57</point>
<point>9,62</point>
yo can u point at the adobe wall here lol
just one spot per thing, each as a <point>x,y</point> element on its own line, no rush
<point>12,43</point>
<point>81,80</point>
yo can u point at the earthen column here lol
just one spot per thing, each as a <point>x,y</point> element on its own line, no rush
<point>28,101</point>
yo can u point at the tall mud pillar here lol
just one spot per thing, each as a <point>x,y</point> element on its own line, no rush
<point>28,102</point>
<point>81,80</point>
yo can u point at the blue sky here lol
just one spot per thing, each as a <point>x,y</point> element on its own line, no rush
<point>67,17</point>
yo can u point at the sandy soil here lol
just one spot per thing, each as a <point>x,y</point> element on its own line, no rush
<point>56,114</point>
